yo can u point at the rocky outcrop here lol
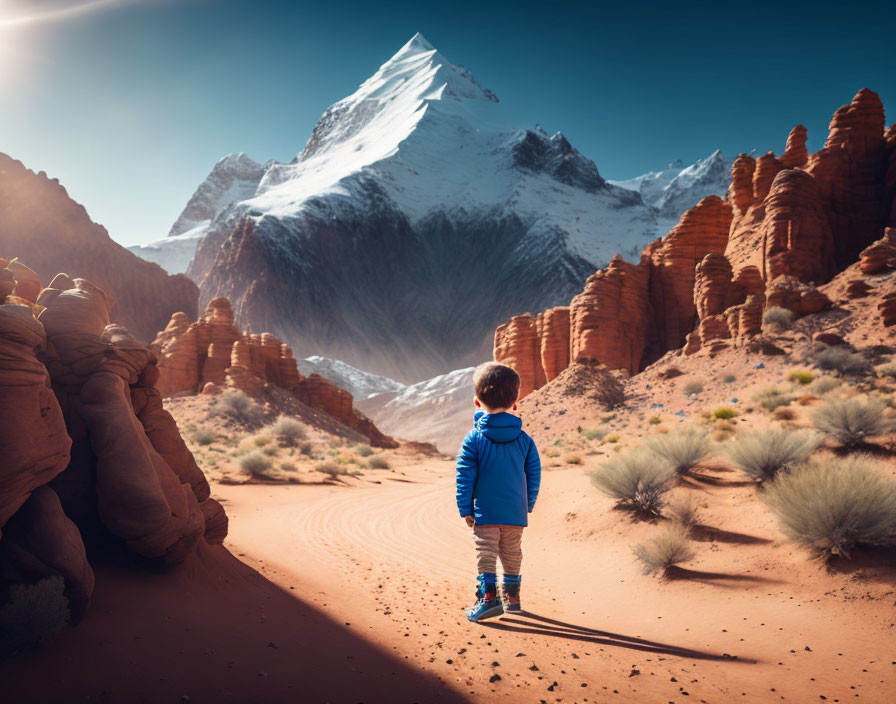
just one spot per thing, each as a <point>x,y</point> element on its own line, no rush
<point>795,152</point>
<point>887,309</point>
<point>791,293</point>
<point>212,353</point>
<point>517,344</point>
<point>553,332</point>
<point>880,256</point>
<point>857,288</point>
<point>87,448</point>
<point>49,231</point>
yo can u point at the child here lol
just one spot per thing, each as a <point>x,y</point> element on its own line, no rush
<point>498,473</point>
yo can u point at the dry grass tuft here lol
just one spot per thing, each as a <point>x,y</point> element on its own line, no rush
<point>683,450</point>
<point>637,479</point>
<point>852,421</point>
<point>761,454</point>
<point>671,547</point>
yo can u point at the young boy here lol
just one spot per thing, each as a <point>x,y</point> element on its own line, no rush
<point>498,473</point>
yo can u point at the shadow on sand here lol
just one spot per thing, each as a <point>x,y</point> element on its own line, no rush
<point>535,624</point>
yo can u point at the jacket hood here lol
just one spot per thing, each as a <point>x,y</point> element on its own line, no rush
<point>499,427</point>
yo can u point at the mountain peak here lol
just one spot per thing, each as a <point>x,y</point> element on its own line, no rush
<point>416,45</point>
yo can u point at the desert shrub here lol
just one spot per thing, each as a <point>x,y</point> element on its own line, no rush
<point>772,398</point>
<point>573,459</point>
<point>237,405</point>
<point>32,614</point>
<point>287,467</point>
<point>331,469</point>
<point>723,430</point>
<point>887,370</point>
<point>271,450</point>
<point>843,360</point>
<point>693,388</point>
<point>365,451</point>
<point>807,399</point>
<point>684,512</point>
<point>307,448</point>
<point>638,480</point>
<point>724,413</point>
<point>261,440</point>
<point>613,438</point>
<point>378,463</point>
<point>729,378</point>
<point>655,420</point>
<point>667,549</point>
<point>203,436</point>
<point>784,413</point>
<point>831,505</point>
<point>256,463</point>
<point>761,454</point>
<point>598,433</point>
<point>824,385</point>
<point>851,421</point>
<point>778,317</point>
<point>682,450</point>
<point>288,430</point>
<point>802,378</point>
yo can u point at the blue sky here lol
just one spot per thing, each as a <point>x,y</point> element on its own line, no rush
<point>130,103</point>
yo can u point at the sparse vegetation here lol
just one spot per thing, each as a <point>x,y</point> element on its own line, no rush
<point>887,371</point>
<point>287,467</point>
<point>655,420</point>
<point>723,430</point>
<point>780,318</point>
<point>598,433</point>
<point>784,413</point>
<point>638,480</point>
<point>288,431</point>
<point>824,385</point>
<point>671,547</point>
<point>761,454</point>
<point>682,450</point>
<point>831,505</point>
<point>378,463</point>
<point>307,448</point>
<point>203,436</point>
<point>852,421</point>
<point>613,438</point>
<point>772,398</point>
<point>261,440</point>
<point>573,459</point>
<point>32,614</point>
<point>724,413</point>
<point>803,378</point>
<point>693,388</point>
<point>684,512</point>
<point>331,469</point>
<point>255,463</point>
<point>237,405</point>
<point>271,450</point>
<point>365,451</point>
<point>842,360</point>
<point>729,378</point>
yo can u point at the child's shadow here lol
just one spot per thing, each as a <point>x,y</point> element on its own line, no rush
<point>542,625</point>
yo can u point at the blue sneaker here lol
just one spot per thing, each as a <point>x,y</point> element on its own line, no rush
<point>487,603</point>
<point>512,593</point>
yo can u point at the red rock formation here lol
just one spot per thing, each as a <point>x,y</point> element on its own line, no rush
<point>553,329</point>
<point>45,228</point>
<point>880,256</point>
<point>890,177</point>
<point>740,193</point>
<point>767,167</point>
<point>796,238</point>
<point>795,153</point>
<point>714,290</point>
<point>598,333</point>
<point>517,345</point>
<point>887,309</point>
<point>790,293</point>
<point>857,288</point>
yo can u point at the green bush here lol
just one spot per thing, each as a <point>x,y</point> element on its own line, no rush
<point>614,438</point>
<point>761,454</point>
<point>638,480</point>
<point>724,413</point>
<point>778,317</point>
<point>365,451</point>
<point>332,469</point>
<point>288,430</point>
<point>237,405</point>
<point>378,463</point>
<point>682,450</point>
<point>851,421</point>
<point>204,436</point>
<point>772,398</point>
<point>255,463</point>
<point>693,388</point>
<point>802,378</point>
<point>843,360</point>
<point>831,505</point>
<point>667,549</point>
<point>32,614</point>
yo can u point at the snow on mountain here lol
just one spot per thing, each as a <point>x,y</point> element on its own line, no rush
<point>234,178</point>
<point>413,222</point>
<point>676,188</point>
<point>358,383</point>
<point>438,410</point>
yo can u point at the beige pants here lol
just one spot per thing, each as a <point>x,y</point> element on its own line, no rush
<point>493,542</point>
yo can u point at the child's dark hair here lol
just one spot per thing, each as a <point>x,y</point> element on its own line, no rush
<point>496,385</point>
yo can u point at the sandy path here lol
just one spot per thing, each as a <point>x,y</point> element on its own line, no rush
<point>395,561</point>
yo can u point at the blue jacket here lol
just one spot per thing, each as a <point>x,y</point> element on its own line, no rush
<point>498,471</point>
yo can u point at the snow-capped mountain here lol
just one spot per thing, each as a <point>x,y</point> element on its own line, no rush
<point>234,178</point>
<point>415,220</point>
<point>438,410</point>
<point>676,188</point>
<point>358,383</point>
